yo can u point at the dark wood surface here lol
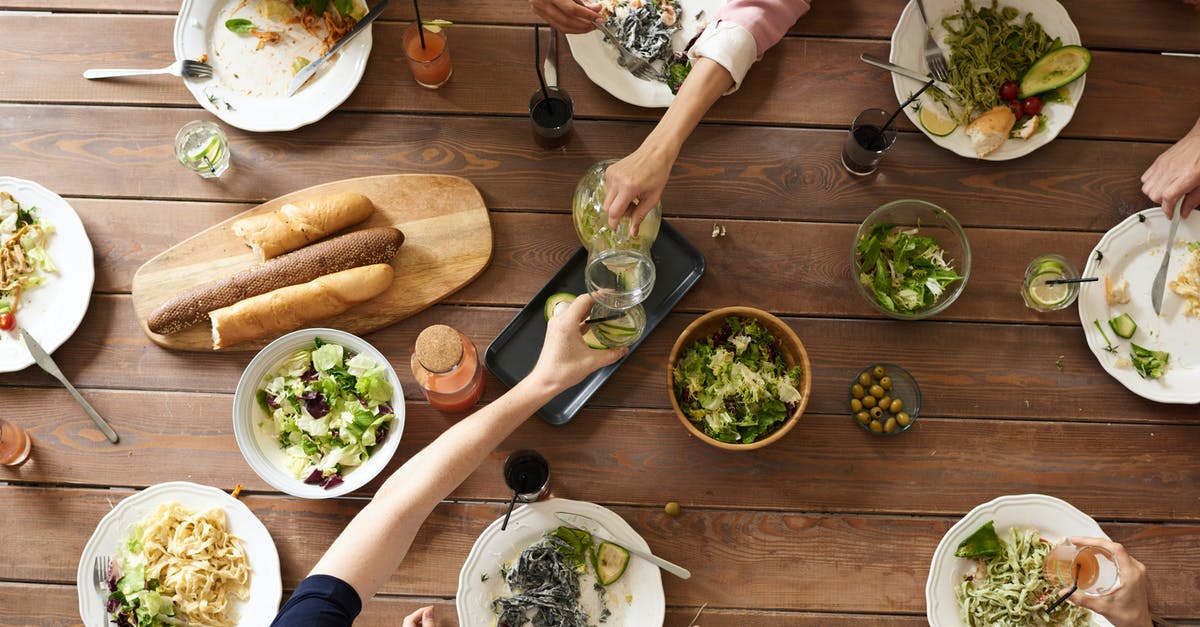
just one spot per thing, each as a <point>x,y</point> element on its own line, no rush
<point>828,527</point>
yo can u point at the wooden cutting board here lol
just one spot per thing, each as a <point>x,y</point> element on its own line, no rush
<point>447,243</point>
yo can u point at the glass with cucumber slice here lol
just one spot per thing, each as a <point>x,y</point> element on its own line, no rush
<point>1039,294</point>
<point>614,328</point>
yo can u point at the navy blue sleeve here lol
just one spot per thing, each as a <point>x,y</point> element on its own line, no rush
<point>320,601</point>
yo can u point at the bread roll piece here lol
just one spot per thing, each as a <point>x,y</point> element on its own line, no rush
<point>295,225</point>
<point>359,248</point>
<point>989,130</point>
<point>295,306</point>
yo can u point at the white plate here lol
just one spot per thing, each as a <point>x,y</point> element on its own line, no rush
<point>598,58</point>
<point>247,87</point>
<point>266,588</point>
<point>1133,250</point>
<point>641,584</point>
<point>52,311</point>
<point>908,47</point>
<point>1054,519</point>
<point>261,450</point>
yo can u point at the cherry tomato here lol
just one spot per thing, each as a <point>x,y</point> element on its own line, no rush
<point>1009,90</point>
<point>7,322</point>
<point>1017,110</point>
<point>1032,105</point>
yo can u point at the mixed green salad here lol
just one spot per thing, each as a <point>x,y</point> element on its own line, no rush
<point>905,271</point>
<point>736,385</point>
<point>328,409</point>
<point>134,601</point>
<point>24,262</point>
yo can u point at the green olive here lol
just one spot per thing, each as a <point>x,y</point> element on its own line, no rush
<point>863,417</point>
<point>876,426</point>
<point>864,379</point>
<point>857,391</point>
<point>878,372</point>
<point>672,509</point>
<point>877,412</point>
<point>895,406</point>
<point>876,391</point>
<point>885,402</point>
<point>903,418</point>
<point>889,426</point>
<point>869,401</point>
<point>856,405</point>
<point>885,383</point>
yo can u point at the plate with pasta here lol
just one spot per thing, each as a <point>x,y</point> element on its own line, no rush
<point>1028,525</point>
<point>46,269</point>
<point>182,549</point>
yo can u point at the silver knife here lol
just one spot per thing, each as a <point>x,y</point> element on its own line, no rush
<point>589,525</point>
<point>1160,279</point>
<point>303,75</point>
<point>903,71</point>
<point>550,66</point>
<point>43,360</point>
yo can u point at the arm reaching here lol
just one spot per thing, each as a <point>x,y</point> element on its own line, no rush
<point>1176,173</point>
<point>567,16</point>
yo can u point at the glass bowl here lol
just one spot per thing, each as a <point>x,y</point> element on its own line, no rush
<point>931,221</point>
<point>900,385</point>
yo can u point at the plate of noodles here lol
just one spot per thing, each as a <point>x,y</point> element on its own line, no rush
<point>213,559</point>
<point>1029,525</point>
<point>52,304</point>
<point>1048,21</point>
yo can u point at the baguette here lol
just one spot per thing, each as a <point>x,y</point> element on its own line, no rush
<point>360,248</point>
<point>295,225</point>
<point>295,306</point>
<point>988,131</point>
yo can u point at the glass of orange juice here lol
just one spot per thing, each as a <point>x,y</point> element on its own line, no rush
<point>1095,567</point>
<point>428,56</point>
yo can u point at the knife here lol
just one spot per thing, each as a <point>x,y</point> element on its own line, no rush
<point>903,71</point>
<point>550,66</point>
<point>303,75</point>
<point>43,360</point>
<point>580,521</point>
<point>1160,279</point>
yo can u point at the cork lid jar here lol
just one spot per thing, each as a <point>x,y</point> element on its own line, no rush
<point>439,348</point>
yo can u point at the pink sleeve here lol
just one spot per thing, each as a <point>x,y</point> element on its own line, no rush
<point>767,20</point>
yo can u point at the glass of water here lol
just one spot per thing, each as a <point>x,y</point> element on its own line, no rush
<point>201,146</point>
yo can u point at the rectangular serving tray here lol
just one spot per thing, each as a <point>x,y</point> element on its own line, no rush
<point>511,356</point>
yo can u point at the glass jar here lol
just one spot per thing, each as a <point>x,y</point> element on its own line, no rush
<point>446,366</point>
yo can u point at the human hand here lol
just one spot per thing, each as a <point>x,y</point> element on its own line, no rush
<point>421,618</point>
<point>1126,605</point>
<point>1176,173</point>
<point>565,358</point>
<point>567,16</point>
<point>634,185</point>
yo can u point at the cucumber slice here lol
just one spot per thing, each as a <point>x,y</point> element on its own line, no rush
<point>1123,325</point>
<point>591,340</point>
<point>610,561</point>
<point>1055,69</point>
<point>556,303</point>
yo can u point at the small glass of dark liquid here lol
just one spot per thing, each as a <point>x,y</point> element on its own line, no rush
<point>553,117</point>
<point>528,475</point>
<point>867,141</point>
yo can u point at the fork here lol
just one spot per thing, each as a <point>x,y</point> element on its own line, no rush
<point>636,65</point>
<point>933,54</point>
<point>186,68</point>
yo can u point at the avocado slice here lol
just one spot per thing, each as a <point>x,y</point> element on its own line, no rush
<point>610,561</point>
<point>561,299</point>
<point>983,543</point>
<point>1055,69</point>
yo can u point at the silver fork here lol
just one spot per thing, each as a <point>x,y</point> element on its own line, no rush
<point>934,59</point>
<point>100,573</point>
<point>186,68</point>
<point>636,65</point>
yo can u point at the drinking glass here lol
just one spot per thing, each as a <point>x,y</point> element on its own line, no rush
<point>620,271</point>
<point>1096,568</point>
<point>867,141</point>
<point>15,444</point>
<point>553,117</point>
<point>527,473</point>
<point>622,328</point>
<point>201,146</point>
<point>1041,297</point>
<point>430,63</point>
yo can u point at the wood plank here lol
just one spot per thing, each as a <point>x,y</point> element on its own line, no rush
<point>845,469</point>
<point>753,548</point>
<point>87,151</point>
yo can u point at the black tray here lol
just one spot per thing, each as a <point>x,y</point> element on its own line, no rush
<point>511,356</point>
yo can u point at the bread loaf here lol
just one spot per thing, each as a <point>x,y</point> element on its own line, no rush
<point>988,131</point>
<point>295,306</point>
<point>360,248</point>
<point>295,225</point>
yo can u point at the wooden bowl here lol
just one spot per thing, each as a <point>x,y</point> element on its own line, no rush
<point>793,351</point>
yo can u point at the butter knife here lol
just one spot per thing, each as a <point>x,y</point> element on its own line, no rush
<point>1160,279</point>
<point>43,360</point>
<point>303,75</point>
<point>550,66</point>
<point>903,71</point>
<point>590,525</point>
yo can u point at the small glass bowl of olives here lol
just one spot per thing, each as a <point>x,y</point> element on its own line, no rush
<point>884,399</point>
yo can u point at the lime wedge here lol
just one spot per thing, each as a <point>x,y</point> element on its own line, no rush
<point>211,150</point>
<point>935,122</point>
<point>1048,295</point>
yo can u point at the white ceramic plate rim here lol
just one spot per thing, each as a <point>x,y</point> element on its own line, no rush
<point>1054,518</point>
<point>266,587</point>
<point>331,87</point>
<point>908,45</point>
<point>525,527</point>
<point>599,59</point>
<point>246,412</point>
<point>52,311</point>
<point>1175,332</point>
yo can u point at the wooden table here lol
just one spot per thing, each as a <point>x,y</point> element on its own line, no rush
<point>830,526</point>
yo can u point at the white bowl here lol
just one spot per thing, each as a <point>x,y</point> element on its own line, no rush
<point>259,447</point>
